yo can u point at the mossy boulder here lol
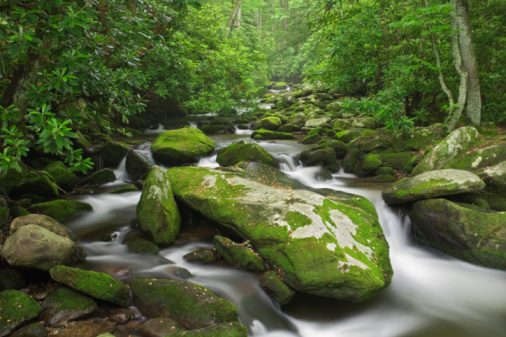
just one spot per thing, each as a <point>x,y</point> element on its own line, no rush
<point>369,142</point>
<point>494,176</point>
<point>142,246</point>
<point>279,86</point>
<point>415,139</point>
<point>35,247</point>
<point>137,164</point>
<point>39,185</point>
<point>203,255</point>
<point>277,289</point>
<point>217,128</point>
<point>433,184</point>
<point>341,124</point>
<point>125,189</point>
<point>318,245</point>
<point>43,221</point>
<point>271,123</point>
<point>12,178</point>
<point>324,156</point>
<point>467,233</point>
<point>347,136</point>
<point>289,128</point>
<point>239,256</point>
<point>189,304</point>
<point>16,308</point>
<point>451,147</point>
<point>112,153</point>
<point>181,146</point>
<point>316,122</point>
<point>62,175</point>
<point>65,304</point>
<point>157,211</point>
<point>397,160</point>
<point>97,285</point>
<point>479,158</point>
<point>264,134</point>
<point>243,151</point>
<point>100,177</point>
<point>232,329</point>
<point>61,208</point>
<point>339,147</point>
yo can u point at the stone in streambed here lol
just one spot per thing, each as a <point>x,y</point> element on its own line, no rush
<point>157,211</point>
<point>65,304</point>
<point>263,134</point>
<point>467,233</point>
<point>99,177</point>
<point>326,246</point>
<point>276,288</point>
<point>243,151</point>
<point>203,255</point>
<point>191,305</point>
<point>97,285</point>
<point>16,308</point>
<point>186,145</point>
<point>239,256</point>
<point>60,209</point>
<point>432,184</point>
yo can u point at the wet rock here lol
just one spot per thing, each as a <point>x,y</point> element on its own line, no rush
<point>60,209</point>
<point>311,240</point>
<point>181,146</point>
<point>65,304</point>
<point>452,146</point>
<point>399,161</point>
<point>369,142</point>
<point>137,164</point>
<point>125,189</point>
<point>97,285</point>
<point>416,138</point>
<point>368,165</point>
<point>347,136</point>
<point>62,175</point>
<point>16,308</point>
<point>243,151</point>
<point>35,247</point>
<point>158,327</point>
<point>324,156</point>
<point>339,147</point>
<point>232,329</point>
<point>263,134</point>
<point>191,305</point>
<point>276,288</point>
<point>271,123</point>
<point>112,153</point>
<point>98,178</point>
<point>32,330</point>
<point>289,128</point>
<point>432,184</point>
<point>203,255</point>
<point>470,234</point>
<point>239,256</point>
<point>157,211</point>
<point>39,186</point>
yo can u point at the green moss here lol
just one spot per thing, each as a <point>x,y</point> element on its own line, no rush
<point>65,304</point>
<point>203,255</point>
<point>276,288</point>
<point>191,305</point>
<point>98,178</point>
<point>239,256</point>
<point>62,175</point>
<point>142,246</point>
<point>271,123</point>
<point>16,307</point>
<point>243,151</point>
<point>39,185</point>
<point>268,134</point>
<point>60,209</point>
<point>125,189</point>
<point>97,285</point>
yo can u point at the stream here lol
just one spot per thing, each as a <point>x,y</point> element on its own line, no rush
<point>431,295</point>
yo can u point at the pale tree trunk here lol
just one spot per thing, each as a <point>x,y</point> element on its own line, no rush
<point>465,44</point>
<point>233,21</point>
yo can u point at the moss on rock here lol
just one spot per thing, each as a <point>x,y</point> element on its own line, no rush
<point>239,256</point>
<point>16,308</point>
<point>243,151</point>
<point>65,304</point>
<point>276,288</point>
<point>268,135</point>
<point>62,175</point>
<point>60,209</point>
<point>98,178</point>
<point>98,285</point>
<point>203,255</point>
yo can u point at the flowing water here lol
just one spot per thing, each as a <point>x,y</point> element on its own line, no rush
<point>431,295</point>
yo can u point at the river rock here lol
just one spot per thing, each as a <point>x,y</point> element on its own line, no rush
<point>112,153</point>
<point>276,288</point>
<point>494,176</point>
<point>415,139</point>
<point>97,285</point>
<point>339,147</point>
<point>38,185</point>
<point>189,304</point>
<point>316,122</point>
<point>43,221</point>
<point>452,146</point>
<point>33,330</point>
<point>186,145</point>
<point>315,156</point>
<point>376,141</point>
<point>347,136</point>
<point>203,255</point>
<point>270,123</point>
<point>432,184</point>
<point>268,135</point>
<point>158,327</point>
<point>62,175</point>
<point>232,329</point>
<point>243,151</point>
<point>157,211</point>
<point>480,158</point>
<point>61,208</point>
<point>103,176</point>
<point>239,256</point>
<point>318,245</point>
<point>398,160</point>
<point>16,307</point>
<point>467,233</point>
<point>32,246</point>
<point>137,164</point>
<point>65,304</point>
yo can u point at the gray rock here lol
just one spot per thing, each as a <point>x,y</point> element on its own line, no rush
<point>313,123</point>
<point>65,304</point>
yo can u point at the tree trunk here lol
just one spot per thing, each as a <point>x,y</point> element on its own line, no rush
<point>465,42</point>
<point>234,16</point>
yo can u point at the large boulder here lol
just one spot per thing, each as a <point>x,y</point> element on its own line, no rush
<point>316,122</point>
<point>186,145</point>
<point>62,175</point>
<point>479,158</point>
<point>98,285</point>
<point>452,146</point>
<point>327,246</point>
<point>32,246</point>
<point>112,153</point>
<point>16,307</point>
<point>39,185</point>
<point>243,151</point>
<point>432,184</point>
<point>137,164</point>
<point>271,123</point>
<point>157,211</point>
<point>61,208</point>
<point>415,139</point>
<point>189,304</point>
<point>264,134</point>
<point>470,234</point>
